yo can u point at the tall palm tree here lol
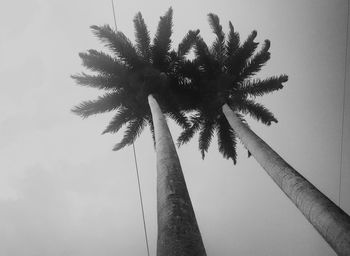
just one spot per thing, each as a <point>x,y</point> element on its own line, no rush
<point>223,89</point>
<point>140,83</point>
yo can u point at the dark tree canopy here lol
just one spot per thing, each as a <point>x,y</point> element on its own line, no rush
<point>132,73</point>
<point>219,74</point>
<point>223,73</point>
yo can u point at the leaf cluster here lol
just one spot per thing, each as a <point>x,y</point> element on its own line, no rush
<point>132,72</point>
<point>223,74</point>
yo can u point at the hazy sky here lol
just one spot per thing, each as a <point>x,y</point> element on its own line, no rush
<point>64,192</point>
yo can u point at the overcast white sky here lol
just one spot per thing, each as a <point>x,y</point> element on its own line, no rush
<point>63,191</point>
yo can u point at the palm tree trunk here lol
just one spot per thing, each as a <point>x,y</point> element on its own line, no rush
<point>328,219</point>
<point>178,232</point>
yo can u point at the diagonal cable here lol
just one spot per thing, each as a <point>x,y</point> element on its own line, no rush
<point>344,91</point>
<point>115,23</point>
<point>136,167</point>
<point>141,202</point>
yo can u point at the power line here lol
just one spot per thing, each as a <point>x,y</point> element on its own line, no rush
<point>344,91</point>
<point>115,22</point>
<point>141,202</point>
<point>136,167</point>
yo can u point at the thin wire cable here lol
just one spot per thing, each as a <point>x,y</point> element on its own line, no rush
<point>141,202</point>
<point>115,22</point>
<point>136,167</point>
<point>344,90</point>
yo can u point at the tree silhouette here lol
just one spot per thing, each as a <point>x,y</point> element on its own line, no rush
<point>222,89</point>
<point>142,83</point>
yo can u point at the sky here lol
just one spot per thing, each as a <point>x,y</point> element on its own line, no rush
<point>63,191</point>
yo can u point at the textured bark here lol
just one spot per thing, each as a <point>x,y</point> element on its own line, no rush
<point>328,219</point>
<point>178,232</point>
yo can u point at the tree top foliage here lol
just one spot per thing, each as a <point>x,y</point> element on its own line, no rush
<point>132,72</point>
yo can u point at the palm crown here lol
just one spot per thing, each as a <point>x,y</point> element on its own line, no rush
<point>223,74</point>
<point>134,72</point>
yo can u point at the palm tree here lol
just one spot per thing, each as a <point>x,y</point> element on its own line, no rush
<point>136,79</point>
<point>223,89</point>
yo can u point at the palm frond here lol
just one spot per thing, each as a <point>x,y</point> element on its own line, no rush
<point>179,117</point>
<point>101,62</point>
<point>257,111</point>
<point>187,73</point>
<point>151,127</point>
<point>204,58</point>
<point>188,133</point>
<point>249,45</point>
<point>105,103</point>
<point>233,42</point>
<point>187,43</point>
<point>122,116</point>
<point>255,64</point>
<point>133,130</point>
<point>119,44</point>
<point>218,48</point>
<point>142,37</point>
<point>162,41</point>
<point>226,139</point>
<point>257,87</point>
<point>237,62</point>
<point>107,82</point>
<point>205,135</point>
